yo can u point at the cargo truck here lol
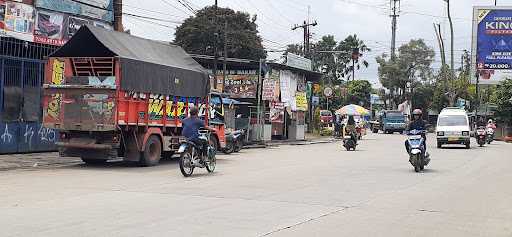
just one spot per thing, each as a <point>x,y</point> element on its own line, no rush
<point>114,95</point>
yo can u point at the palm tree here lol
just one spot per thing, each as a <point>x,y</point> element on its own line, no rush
<point>350,59</point>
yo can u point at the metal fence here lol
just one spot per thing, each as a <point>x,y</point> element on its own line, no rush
<point>20,107</point>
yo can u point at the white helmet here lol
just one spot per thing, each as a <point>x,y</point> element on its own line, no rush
<point>490,121</point>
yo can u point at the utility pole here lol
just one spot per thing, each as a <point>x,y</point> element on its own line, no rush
<point>118,15</point>
<point>452,57</point>
<point>395,13</point>
<point>224,66</point>
<point>305,26</point>
<point>215,20</point>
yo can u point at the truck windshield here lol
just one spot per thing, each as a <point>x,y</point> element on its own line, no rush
<point>452,120</point>
<point>394,115</point>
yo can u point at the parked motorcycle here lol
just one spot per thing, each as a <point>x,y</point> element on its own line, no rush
<point>418,156</point>
<point>490,135</point>
<point>481,136</point>
<point>191,156</point>
<point>234,141</point>
<point>350,141</point>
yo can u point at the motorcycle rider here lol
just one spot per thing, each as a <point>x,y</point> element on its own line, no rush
<point>191,126</point>
<point>350,128</point>
<point>491,124</point>
<point>417,123</point>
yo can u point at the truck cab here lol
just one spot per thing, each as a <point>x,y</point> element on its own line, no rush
<point>389,121</point>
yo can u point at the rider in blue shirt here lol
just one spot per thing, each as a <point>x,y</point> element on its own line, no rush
<point>191,126</point>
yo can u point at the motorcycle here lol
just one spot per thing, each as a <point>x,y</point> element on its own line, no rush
<point>239,136</point>
<point>234,141</point>
<point>191,156</point>
<point>490,135</point>
<point>350,141</point>
<point>418,156</point>
<point>481,136</point>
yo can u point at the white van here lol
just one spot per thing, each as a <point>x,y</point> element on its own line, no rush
<point>453,127</point>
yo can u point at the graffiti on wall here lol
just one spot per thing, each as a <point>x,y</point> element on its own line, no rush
<point>54,104</point>
<point>26,137</point>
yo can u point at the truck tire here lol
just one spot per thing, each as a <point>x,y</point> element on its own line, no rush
<point>90,161</point>
<point>152,152</point>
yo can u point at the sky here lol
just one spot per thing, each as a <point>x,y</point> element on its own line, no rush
<point>369,19</point>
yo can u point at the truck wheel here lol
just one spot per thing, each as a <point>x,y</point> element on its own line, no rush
<point>94,161</point>
<point>152,152</point>
<point>439,145</point>
<point>375,130</point>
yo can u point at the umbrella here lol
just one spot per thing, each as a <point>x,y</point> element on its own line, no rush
<point>352,109</point>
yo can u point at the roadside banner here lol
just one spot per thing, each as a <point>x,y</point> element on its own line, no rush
<point>492,44</point>
<point>2,16</point>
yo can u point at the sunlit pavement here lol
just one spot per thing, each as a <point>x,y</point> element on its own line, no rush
<point>312,190</point>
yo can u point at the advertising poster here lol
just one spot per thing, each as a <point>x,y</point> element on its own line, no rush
<point>99,9</point>
<point>492,44</point>
<point>301,101</point>
<point>73,25</point>
<point>2,15</point>
<point>49,28</point>
<point>277,112</point>
<point>269,89</point>
<point>241,86</point>
<point>19,21</point>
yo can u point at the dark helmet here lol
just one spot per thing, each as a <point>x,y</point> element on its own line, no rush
<point>194,111</point>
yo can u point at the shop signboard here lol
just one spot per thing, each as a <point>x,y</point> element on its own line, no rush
<point>241,86</point>
<point>299,62</point>
<point>492,44</point>
<point>96,9</point>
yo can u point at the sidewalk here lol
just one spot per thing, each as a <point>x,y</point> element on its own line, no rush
<point>35,161</point>
<point>310,140</point>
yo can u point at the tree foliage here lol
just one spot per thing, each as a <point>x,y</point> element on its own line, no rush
<point>412,64</point>
<point>359,93</point>
<point>196,34</point>
<point>502,98</point>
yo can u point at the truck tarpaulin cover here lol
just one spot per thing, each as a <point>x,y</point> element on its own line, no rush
<point>146,65</point>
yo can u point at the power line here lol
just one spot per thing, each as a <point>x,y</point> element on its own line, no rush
<point>187,6</point>
<point>152,18</point>
<point>179,9</point>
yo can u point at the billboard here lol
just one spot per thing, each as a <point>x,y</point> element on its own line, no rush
<point>492,44</point>
<point>96,9</point>
<point>297,61</point>
<point>49,28</point>
<point>18,20</point>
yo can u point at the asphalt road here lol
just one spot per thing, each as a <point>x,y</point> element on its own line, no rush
<point>313,190</point>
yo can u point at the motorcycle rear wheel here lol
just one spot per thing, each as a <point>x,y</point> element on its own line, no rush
<point>186,166</point>
<point>211,164</point>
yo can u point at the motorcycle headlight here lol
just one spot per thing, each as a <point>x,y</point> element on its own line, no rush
<point>465,133</point>
<point>440,134</point>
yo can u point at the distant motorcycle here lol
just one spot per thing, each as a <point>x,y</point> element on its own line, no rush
<point>481,136</point>
<point>418,156</point>
<point>490,135</point>
<point>191,157</point>
<point>350,141</point>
